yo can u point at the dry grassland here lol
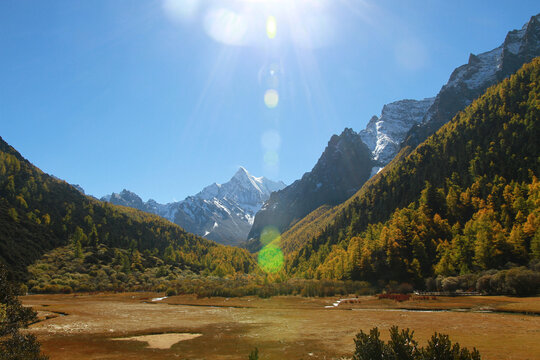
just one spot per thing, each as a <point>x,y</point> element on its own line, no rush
<point>84,326</point>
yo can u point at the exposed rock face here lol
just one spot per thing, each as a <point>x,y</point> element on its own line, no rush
<point>342,169</point>
<point>469,81</point>
<point>220,212</point>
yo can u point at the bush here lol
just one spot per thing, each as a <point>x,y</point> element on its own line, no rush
<point>450,284</point>
<point>170,292</point>
<point>402,346</point>
<point>431,284</point>
<point>254,355</point>
<point>369,346</point>
<point>440,347</point>
<point>483,284</point>
<point>405,288</point>
<point>522,282</point>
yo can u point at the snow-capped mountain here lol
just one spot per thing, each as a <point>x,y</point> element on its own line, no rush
<point>220,212</point>
<point>383,135</point>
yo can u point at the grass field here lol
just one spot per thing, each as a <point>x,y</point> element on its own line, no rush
<point>85,326</point>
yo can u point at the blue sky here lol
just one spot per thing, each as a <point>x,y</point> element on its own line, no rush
<point>164,97</point>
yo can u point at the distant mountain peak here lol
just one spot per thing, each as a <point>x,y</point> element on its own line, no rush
<point>241,172</point>
<point>383,135</point>
<point>220,212</point>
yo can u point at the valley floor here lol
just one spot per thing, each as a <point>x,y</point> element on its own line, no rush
<point>85,326</point>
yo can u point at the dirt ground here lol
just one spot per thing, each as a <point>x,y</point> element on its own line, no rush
<point>85,326</point>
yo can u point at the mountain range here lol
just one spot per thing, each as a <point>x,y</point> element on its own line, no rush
<point>376,207</point>
<point>465,200</point>
<point>402,125</point>
<point>220,212</point>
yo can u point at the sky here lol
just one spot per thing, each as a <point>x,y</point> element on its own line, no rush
<point>164,97</point>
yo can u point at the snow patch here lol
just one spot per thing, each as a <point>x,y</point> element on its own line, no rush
<point>374,171</point>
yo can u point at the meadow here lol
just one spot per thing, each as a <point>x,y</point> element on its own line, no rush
<point>99,326</point>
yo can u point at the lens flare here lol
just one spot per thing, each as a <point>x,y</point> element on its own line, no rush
<point>271,27</point>
<point>181,10</point>
<point>271,158</point>
<point>271,258</point>
<point>271,98</point>
<point>271,140</point>
<point>270,234</point>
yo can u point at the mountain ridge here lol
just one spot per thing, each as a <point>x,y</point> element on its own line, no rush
<point>404,124</point>
<point>467,82</point>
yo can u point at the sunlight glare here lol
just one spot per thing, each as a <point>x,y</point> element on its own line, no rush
<point>226,26</point>
<point>271,27</point>
<point>181,9</point>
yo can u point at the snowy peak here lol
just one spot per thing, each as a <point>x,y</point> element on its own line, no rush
<point>209,192</point>
<point>525,39</point>
<point>242,188</point>
<point>220,212</point>
<point>241,174</point>
<point>383,135</point>
<point>410,122</point>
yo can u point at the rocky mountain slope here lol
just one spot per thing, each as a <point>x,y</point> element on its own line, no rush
<point>469,81</point>
<point>343,167</point>
<point>220,212</point>
<point>404,123</point>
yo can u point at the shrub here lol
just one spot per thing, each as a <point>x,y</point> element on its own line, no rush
<point>369,346</point>
<point>450,284</point>
<point>483,284</point>
<point>170,292</point>
<point>254,355</point>
<point>522,282</point>
<point>402,346</point>
<point>440,347</point>
<point>405,288</point>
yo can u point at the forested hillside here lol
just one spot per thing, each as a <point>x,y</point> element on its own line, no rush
<point>466,200</point>
<point>39,213</point>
